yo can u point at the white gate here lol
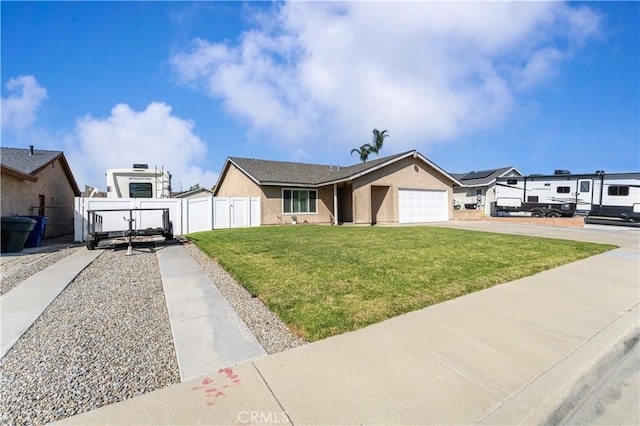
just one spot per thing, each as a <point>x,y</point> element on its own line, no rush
<point>187,215</point>
<point>236,212</point>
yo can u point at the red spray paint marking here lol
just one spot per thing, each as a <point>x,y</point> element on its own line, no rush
<point>225,378</point>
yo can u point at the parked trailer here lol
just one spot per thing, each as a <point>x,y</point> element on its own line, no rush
<point>96,231</point>
<point>607,195</point>
<point>138,182</point>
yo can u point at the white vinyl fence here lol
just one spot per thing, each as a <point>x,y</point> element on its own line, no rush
<point>187,215</point>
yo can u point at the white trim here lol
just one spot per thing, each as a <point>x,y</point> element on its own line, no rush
<point>335,203</point>
<point>297,189</point>
<point>224,169</point>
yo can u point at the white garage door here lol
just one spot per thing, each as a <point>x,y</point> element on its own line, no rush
<point>423,205</point>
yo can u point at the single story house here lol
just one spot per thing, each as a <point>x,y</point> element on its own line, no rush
<point>477,191</point>
<point>401,188</point>
<point>38,183</point>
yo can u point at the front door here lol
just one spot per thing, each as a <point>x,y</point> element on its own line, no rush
<point>584,195</point>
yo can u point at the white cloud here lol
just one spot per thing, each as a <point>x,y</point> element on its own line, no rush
<point>321,75</point>
<point>153,136</point>
<point>20,107</point>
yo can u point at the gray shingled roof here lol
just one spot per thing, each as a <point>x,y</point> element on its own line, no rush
<point>482,177</point>
<point>20,160</point>
<point>265,171</point>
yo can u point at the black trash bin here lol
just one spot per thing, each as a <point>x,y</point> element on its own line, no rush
<point>15,231</point>
<point>37,234</point>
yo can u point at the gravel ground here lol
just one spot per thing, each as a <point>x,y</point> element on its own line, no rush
<point>273,334</point>
<point>105,339</point>
<point>13,276</point>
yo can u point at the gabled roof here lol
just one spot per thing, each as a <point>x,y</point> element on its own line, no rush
<point>22,164</point>
<point>484,177</point>
<point>187,194</point>
<point>281,173</point>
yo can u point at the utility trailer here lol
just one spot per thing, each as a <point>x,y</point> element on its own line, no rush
<point>600,194</point>
<point>97,232</point>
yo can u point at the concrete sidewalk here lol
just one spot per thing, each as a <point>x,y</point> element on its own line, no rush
<point>23,305</point>
<point>518,353</point>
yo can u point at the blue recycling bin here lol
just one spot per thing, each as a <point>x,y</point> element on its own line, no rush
<point>15,231</point>
<point>37,234</point>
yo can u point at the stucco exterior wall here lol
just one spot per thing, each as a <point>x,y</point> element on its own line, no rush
<point>410,173</point>
<point>373,199</point>
<point>272,207</point>
<point>18,196</point>
<point>236,184</point>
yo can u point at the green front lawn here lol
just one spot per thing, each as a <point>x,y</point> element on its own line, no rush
<point>326,280</point>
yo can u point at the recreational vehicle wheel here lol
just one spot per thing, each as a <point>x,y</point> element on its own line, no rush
<point>537,213</point>
<point>553,214</point>
<point>91,244</point>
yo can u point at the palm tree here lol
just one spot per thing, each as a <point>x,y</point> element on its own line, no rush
<point>378,140</point>
<point>363,152</point>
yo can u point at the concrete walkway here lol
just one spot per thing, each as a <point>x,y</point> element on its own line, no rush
<point>518,353</point>
<point>24,304</point>
<point>207,332</point>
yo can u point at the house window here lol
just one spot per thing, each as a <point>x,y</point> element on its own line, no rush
<point>140,190</point>
<point>621,191</point>
<point>478,192</point>
<point>300,201</point>
<point>563,190</point>
<point>512,181</point>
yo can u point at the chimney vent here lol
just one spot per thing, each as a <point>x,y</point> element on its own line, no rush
<point>30,149</point>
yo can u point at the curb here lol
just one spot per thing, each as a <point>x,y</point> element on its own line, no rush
<point>554,395</point>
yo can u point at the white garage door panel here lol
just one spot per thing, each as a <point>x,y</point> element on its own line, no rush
<point>423,205</point>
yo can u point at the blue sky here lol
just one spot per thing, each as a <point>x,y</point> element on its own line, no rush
<point>180,85</point>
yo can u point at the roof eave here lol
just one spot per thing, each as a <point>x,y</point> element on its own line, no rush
<point>227,163</point>
<point>439,169</point>
<point>18,174</point>
<point>69,173</point>
<point>511,169</point>
<point>372,168</point>
<point>296,184</point>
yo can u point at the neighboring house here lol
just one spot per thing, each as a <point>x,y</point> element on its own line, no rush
<point>38,182</point>
<point>194,193</point>
<point>402,188</point>
<point>478,189</point>
<point>91,192</point>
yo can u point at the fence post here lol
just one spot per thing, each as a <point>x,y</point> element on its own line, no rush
<point>211,212</point>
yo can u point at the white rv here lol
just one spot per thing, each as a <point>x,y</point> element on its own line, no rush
<point>613,195</point>
<point>138,182</point>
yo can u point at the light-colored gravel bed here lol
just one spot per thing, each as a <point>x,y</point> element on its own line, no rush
<point>105,339</point>
<point>17,274</point>
<point>271,332</point>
